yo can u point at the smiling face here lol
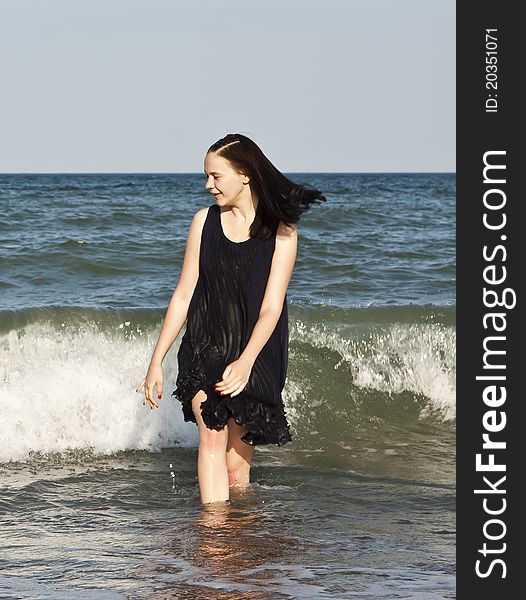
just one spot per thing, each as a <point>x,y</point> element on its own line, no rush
<point>226,184</point>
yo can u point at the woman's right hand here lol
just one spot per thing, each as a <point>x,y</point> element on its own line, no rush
<point>154,377</point>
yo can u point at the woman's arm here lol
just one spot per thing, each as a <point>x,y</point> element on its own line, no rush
<point>178,308</point>
<point>278,281</point>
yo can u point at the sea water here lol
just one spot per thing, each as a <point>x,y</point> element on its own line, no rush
<point>99,495</point>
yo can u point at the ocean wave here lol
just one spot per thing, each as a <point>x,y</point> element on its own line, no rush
<point>68,375</point>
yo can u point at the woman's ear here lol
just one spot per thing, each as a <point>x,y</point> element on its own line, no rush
<point>244,178</point>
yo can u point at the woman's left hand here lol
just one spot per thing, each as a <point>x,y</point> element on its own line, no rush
<point>235,377</point>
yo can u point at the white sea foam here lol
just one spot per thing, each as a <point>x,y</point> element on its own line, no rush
<point>75,389</point>
<point>419,358</point>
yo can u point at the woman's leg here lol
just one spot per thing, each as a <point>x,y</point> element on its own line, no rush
<point>238,456</point>
<point>211,459</point>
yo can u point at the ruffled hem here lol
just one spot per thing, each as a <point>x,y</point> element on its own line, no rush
<point>265,424</point>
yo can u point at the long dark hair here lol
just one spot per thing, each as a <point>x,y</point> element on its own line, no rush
<point>279,198</point>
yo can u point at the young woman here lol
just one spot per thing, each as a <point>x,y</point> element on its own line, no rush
<point>232,292</point>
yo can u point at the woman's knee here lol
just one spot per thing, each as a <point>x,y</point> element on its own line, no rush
<point>239,454</point>
<point>210,440</point>
<point>237,465</point>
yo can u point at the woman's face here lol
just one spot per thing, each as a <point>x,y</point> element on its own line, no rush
<point>222,181</point>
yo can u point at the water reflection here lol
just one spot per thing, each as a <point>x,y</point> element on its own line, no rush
<point>237,545</point>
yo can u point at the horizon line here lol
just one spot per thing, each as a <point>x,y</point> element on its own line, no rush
<point>200,173</point>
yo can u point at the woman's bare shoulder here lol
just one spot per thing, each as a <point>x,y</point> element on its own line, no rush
<point>200,215</point>
<point>286,232</point>
<point>199,219</point>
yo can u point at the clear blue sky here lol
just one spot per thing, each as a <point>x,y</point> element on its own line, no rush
<point>148,85</point>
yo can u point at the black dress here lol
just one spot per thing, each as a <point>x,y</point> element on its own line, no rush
<point>221,316</point>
